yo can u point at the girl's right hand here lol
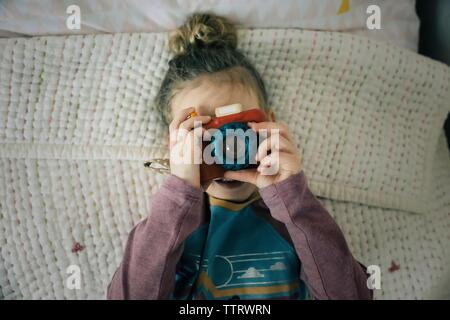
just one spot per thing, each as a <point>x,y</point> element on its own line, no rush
<point>186,145</point>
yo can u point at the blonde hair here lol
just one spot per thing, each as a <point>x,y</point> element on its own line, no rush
<point>206,44</point>
<point>203,30</point>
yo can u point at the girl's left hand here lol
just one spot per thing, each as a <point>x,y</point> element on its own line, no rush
<point>283,161</point>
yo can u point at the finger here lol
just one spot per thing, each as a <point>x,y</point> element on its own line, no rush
<point>173,134</point>
<point>206,134</point>
<point>174,124</point>
<point>274,143</point>
<point>183,146</point>
<point>194,121</point>
<point>189,124</point>
<point>278,160</point>
<point>270,164</point>
<point>179,118</point>
<point>277,157</point>
<point>271,128</point>
<point>181,134</point>
<point>246,175</point>
<point>192,146</point>
<point>198,134</point>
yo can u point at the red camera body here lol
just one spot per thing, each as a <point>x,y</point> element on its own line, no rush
<point>252,115</point>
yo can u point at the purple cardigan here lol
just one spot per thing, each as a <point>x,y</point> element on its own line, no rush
<point>155,245</point>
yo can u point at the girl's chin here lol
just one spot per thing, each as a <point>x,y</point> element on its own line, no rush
<point>230,189</point>
<point>229,184</point>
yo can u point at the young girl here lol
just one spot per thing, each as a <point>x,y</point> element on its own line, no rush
<point>249,235</point>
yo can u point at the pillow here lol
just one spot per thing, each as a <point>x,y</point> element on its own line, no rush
<point>399,22</point>
<point>366,115</point>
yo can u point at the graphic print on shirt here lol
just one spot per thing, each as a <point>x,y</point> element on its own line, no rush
<point>238,255</point>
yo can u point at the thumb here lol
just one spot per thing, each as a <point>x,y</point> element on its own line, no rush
<point>247,175</point>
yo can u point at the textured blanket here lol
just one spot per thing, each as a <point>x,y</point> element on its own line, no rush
<point>77,121</point>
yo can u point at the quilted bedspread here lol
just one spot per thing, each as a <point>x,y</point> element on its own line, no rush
<point>77,121</point>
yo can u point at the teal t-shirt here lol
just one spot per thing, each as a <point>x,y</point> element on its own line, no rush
<point>238,255</point>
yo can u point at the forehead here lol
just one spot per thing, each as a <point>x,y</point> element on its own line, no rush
<point>206,95</point>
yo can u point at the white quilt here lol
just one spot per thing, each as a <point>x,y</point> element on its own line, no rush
<point>77,121</point>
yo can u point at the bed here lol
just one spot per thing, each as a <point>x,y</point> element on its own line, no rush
<point>78,121</point>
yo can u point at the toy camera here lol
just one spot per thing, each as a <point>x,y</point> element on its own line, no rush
<point>233,144</point>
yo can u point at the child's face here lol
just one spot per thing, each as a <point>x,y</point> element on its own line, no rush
<point>206,95</point>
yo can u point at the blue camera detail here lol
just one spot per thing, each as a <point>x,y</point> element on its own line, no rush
<point>234,146</point>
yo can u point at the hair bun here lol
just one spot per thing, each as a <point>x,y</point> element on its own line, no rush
<point>203,30</point>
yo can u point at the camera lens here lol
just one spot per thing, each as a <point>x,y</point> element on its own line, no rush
<point>234,148</point>
<point>234,144</point>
